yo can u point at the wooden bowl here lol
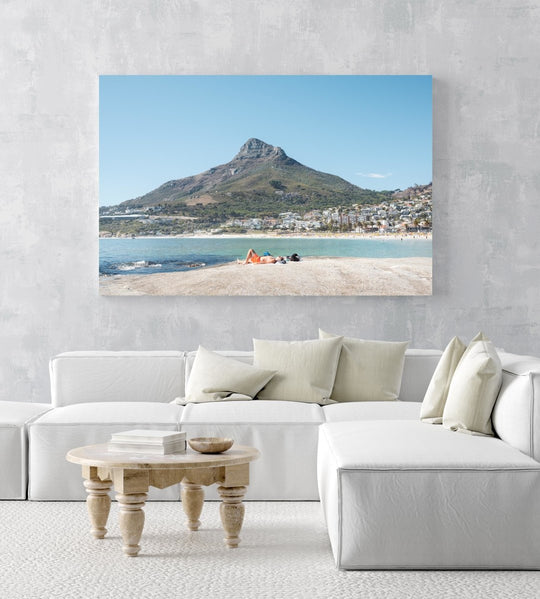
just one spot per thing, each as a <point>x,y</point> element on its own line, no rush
<point>210,444</point>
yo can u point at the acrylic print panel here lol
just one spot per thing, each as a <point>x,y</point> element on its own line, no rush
<point>265,185</point>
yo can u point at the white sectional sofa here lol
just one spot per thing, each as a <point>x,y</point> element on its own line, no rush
<point>97,393</point>
<point>396,492</point>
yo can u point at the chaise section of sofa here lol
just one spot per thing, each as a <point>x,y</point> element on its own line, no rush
<point>403,494</point>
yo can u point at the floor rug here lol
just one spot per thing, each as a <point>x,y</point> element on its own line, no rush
<point>46,551</point>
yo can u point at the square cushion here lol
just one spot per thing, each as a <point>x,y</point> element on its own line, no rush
<point>214,377</point>
<point>419,366</point>
<point>368,370</point>
<point>474,389</point>
<point>305,369</point>
<point>437,391</point>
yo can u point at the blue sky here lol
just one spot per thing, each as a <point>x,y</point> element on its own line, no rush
<point>374,131</point>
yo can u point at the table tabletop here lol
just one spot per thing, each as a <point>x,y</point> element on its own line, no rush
<point>101,456</point>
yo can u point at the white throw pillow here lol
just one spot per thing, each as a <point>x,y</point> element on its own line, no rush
<point>474,389</point>
<point>368,370</point>
<point>217,378</point>
<point>437,391</point>
<point>305,369</point>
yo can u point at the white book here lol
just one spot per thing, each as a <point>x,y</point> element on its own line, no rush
<point>148,436</point>
<point>179,447</point>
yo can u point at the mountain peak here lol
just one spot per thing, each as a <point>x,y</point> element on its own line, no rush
<point>256,148</point>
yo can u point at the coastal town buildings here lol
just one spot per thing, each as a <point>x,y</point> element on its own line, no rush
<point>400,215</point>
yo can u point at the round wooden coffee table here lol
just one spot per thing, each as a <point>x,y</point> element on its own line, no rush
<point>132,474</point>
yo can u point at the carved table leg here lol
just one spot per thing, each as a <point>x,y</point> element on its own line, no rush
<point>98,504</point>
<point>232,513</point>
<point>192,502</point>
<point>131,520</point>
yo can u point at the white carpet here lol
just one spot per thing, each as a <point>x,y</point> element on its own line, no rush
<point>46,551</point>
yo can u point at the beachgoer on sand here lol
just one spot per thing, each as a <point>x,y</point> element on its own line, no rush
<point>253,258</point>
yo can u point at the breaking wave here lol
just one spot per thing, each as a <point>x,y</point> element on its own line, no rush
<point>148,266</point>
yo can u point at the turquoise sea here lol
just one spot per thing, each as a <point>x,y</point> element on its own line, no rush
<point>160,254</point>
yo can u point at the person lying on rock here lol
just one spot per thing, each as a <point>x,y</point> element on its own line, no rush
<point>254,258</point>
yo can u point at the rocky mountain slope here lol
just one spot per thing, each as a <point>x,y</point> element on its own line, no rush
<point>260,179</point>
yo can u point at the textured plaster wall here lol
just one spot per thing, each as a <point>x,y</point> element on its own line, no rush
<point>484,57</point>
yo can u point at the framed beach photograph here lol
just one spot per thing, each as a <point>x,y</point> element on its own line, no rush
<point>265,185</point>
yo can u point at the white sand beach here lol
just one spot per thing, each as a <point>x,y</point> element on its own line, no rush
<point>311,276</point>
<point>266,235</point>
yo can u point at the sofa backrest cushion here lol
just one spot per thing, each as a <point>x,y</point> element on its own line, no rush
<point>419,367</point>
<point>516,415</point>
<point>98,376</point>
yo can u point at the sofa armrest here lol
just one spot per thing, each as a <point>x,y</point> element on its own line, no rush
<point>516,415</point>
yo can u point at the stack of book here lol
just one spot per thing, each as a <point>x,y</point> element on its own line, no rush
<point>149,442</point>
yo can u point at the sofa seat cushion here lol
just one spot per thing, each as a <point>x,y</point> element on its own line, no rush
<point>404,494</point>
<point>52,435</point>
<point>372,410</point>
<point>257,411</point>
<point>415,445</point>
<point>285,432</point>
<point>119,412</point>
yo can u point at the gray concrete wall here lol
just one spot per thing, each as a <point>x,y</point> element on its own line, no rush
<point>484,57</point>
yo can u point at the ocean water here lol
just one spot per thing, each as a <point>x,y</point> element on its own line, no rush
<point>155,255</point>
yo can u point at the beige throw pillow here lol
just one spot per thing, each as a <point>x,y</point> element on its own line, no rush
<point>217,378</point>
<point>437,391</point>
<point>474,389</point>
<point>305,369</point>
<point>368,370</point>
